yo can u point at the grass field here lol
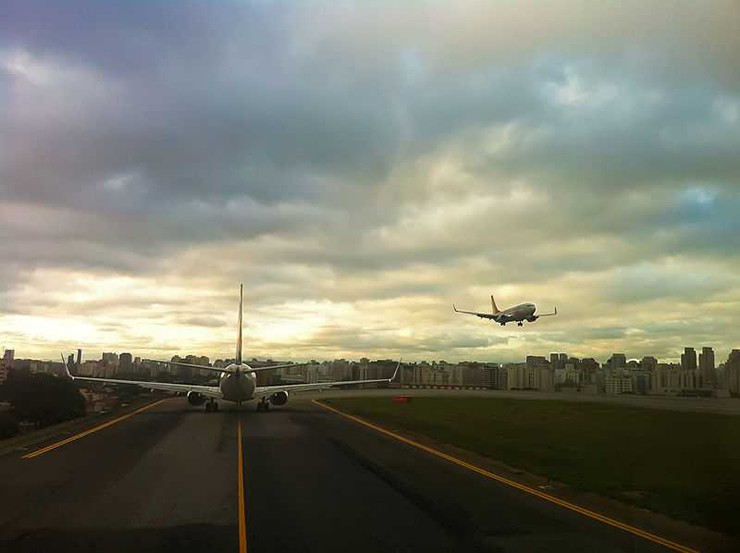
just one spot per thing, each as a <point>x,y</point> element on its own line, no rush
<point>686,465</point>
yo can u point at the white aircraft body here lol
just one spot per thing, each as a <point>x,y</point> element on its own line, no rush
<point>518,313</point>
<point>237,382</point>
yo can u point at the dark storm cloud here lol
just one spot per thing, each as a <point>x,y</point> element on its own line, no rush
<point>199,103</point>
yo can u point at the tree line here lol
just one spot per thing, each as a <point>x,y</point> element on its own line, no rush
<point>38,398</point>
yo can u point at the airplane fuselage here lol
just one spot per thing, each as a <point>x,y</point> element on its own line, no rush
<point>236,384</point>
<point>518,313</point>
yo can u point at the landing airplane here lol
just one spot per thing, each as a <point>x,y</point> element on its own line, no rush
<point>518,313</point>
<point>237,382</point>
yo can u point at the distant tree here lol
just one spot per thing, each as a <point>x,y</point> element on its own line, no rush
<point>8,426</point>
<point>43,399</point>
<point>128,392</point>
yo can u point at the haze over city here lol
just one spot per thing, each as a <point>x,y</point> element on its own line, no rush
<point>362,168</point>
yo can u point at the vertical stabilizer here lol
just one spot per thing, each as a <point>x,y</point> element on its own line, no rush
<point>239,333</point>
<point>494,307</point>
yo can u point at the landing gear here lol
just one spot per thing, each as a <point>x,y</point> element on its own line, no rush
<point>263,405</point>
<point>520,323</point>
<point>502,324</point>
<point>211,406</point>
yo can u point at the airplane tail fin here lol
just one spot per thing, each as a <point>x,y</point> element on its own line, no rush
<point>238,360</point>
<point>494,307</point>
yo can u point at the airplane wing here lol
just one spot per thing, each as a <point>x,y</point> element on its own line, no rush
<point>208,391</point>
<point>262,391</point>
<point>178,364</point>
<point>481,315</point>
<point>285,366</point>
<point>548,314</point>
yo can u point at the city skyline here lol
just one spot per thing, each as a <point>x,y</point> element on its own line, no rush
<point>360,169</point>
<point>113,358</point>
<point>561,372</point>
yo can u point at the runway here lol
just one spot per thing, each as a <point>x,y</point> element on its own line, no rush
<point>170,479</point>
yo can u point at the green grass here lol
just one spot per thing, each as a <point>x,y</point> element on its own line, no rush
<point>684,464</point>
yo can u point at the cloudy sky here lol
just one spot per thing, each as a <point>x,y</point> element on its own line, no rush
<point>360,167</point>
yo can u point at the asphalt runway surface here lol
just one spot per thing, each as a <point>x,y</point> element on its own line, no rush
<point>168,479</point>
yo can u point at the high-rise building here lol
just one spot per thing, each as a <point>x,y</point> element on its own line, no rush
<point>498,378</point>
<point>641,381</point>
<point>617,361</point>
<point>707,369</point>
<point>732,371</point>
<point>648,363</point>
<point>545,381</point>
<point>475,375</point>
<point>110,359</point>
<point>537,361</point>
<point>688,380</point>
<point>688,359</point>
<point>558,360</point>
<point>516,376</point>
<point>125,363</point>
<point>6,363</point>
<point>618,385</point>
<point>589,368</point>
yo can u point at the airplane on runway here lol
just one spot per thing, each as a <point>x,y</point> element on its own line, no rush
<point>237,382</point>
<point>518,313</point>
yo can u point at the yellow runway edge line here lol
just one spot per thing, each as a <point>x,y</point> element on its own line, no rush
<point>242,509</point>
<point>92,430</point>
<point>532,491</point>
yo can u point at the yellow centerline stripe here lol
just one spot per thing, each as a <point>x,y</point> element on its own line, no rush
<point>91,430</point>
<point>242,509</point>
<point>532,491</point>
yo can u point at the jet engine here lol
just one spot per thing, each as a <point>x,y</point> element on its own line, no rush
<point>279,398</point>
<point>194,398</point>
<point>533,318</point>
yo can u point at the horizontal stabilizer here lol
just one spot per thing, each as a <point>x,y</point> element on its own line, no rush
<point>178,364</point>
